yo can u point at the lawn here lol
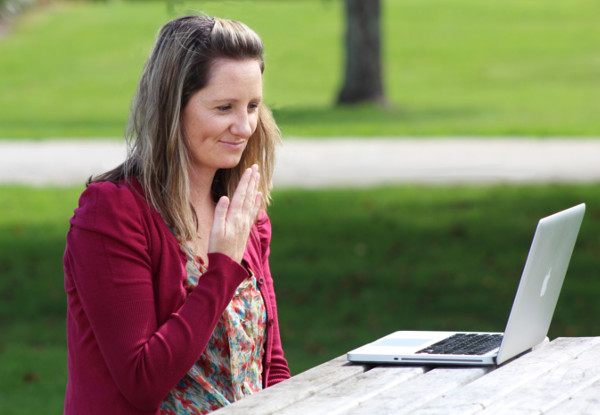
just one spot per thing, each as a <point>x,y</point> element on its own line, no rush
<point>451,67</point>
<point>349,266</point>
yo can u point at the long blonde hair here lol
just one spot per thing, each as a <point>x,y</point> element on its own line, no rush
<point>178,66</point>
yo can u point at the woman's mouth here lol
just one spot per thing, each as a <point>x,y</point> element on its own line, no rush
<point>234,145</point>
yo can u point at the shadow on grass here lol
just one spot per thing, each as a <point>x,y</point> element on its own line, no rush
<point>32,297</point>
<point>364,120</point>
<point>349,266</point>
<point>381,260</point>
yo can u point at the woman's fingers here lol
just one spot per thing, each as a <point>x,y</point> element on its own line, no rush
<point>221,214</point>
<point>257,205</point>
<point>252,191</point>
<point>234,219</point>
<point>244,188</point>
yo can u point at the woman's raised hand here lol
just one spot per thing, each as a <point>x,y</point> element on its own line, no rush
<point>234,219</point>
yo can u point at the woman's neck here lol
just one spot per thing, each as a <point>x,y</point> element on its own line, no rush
<point>201,188</point>
<point>201,199</point>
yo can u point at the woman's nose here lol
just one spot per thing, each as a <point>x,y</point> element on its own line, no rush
<point>242,125</point>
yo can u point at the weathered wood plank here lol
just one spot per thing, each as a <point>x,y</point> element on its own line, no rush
<point>344,395</point>
<point>584,402</point>
<point>558,378</point>
<point>408,396</point>
<point>481,393</point>
<point>553,388</point>
<point>301,386</point>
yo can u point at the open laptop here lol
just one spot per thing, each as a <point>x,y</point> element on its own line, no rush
<point>529,318</point>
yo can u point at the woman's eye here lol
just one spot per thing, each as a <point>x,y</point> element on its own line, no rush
<point>252,107</point>
<point>224,108</point>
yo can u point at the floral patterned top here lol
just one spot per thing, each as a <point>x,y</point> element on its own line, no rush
<point>231,365</point>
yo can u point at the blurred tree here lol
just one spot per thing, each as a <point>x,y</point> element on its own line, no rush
<point>9,8</point>
<point>363,78</point>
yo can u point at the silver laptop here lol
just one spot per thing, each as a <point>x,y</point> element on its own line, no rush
<point>529,318</point>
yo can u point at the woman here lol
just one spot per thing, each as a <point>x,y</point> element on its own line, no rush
<point>171,307</point>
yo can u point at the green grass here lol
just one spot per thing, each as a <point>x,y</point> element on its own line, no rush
<point>349,266</point>
<point>452,67</point>
<point>33,225</point>
<point>374,261</point>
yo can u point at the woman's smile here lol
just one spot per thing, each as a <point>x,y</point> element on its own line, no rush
<point>233,144</point>
<point>220,118</point>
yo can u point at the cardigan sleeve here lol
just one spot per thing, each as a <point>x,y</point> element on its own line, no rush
<point>278,367</point>
<point>108,259</point>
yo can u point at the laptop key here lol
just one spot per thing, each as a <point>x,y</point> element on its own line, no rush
<point>465,344</point>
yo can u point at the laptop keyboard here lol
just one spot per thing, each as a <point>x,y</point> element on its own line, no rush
<point>463,343</point>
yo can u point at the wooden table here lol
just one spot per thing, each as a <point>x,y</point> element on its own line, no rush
<point>561,377</point>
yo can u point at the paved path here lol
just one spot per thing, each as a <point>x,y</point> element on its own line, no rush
<point>340,162</point>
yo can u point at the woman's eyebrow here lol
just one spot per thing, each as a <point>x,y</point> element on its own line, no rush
<point>217,100</point>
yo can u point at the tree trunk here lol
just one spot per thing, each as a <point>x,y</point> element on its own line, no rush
<point>363,78</point>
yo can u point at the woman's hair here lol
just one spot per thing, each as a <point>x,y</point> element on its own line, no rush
<point>180,65</point>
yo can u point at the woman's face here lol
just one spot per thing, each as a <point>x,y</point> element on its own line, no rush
<point>219,119</point>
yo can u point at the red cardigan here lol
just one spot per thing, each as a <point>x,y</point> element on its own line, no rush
<point>131,333</point>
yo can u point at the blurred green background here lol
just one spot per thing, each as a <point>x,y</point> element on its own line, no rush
<point>516,67</point>
<point>349,264</point>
